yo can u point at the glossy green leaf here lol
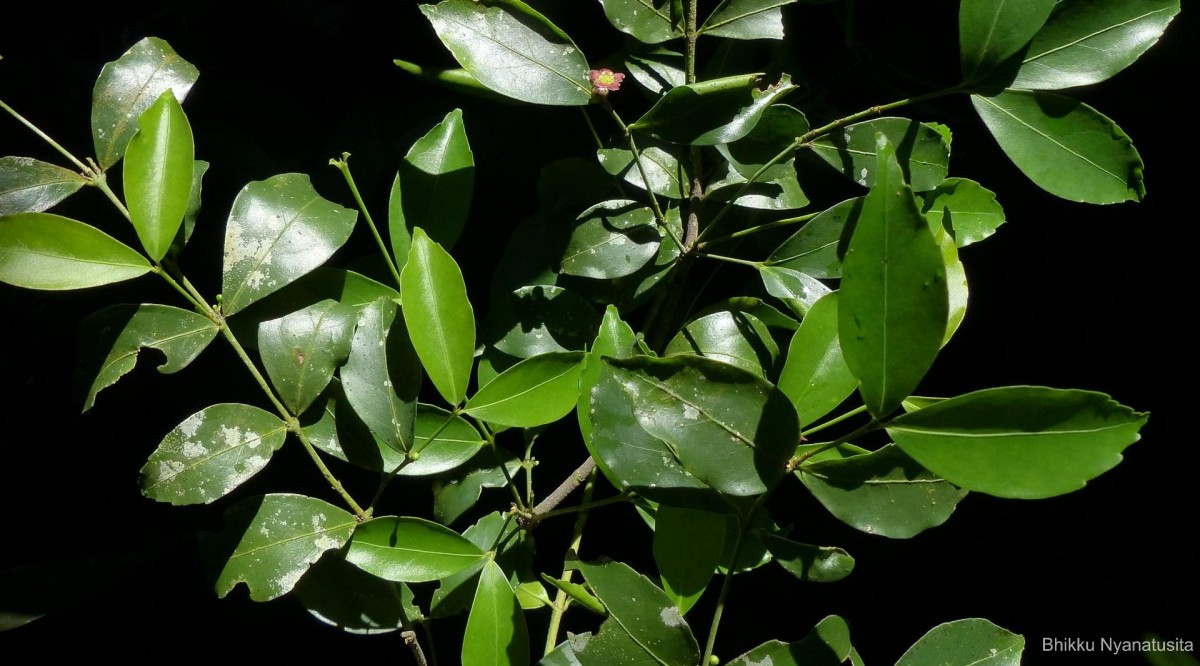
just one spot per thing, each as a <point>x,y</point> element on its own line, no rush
<point>922,151</point>
<point>648,21</point>
<point>114,337</point>
<point>512,49</point>
<point>1064,146</point>
<point>665,169</point>
<point>815,376</point>
<point>884,492</point>
<point>45,251</point>
<point>611,240</point>
<point>410,550</point>
<point>798,291</point>
<point>828,644</point>
<point>687,549</point>
<point>657,70</point>
<point>301,350</point>
<point>813,250</point>
<point>443,440</point>
<point>968,209</point>
<point>1086,41</point>
<point>712,112</point>
<point>457,493</point>
<point>433,187</point>
<point>32,186</point>
<point>340,594</point>
<point>128,86</point>
<point>614,339</point>
<point>746,19</point>
<point>212,452</point>
<point>893,305</point>
<point>755,307</point>
<point>540,319</point>
<point>957,290</point>
<point>813,564</point>
<point>381,377</point>
<point>578,593</point>
<point>733,337</point>
<point>279,229</point>
<point>439,316</point>
<point>776,131</point>
<point>967,641</point>
<point>706,421</point>
<point>158,174</point>
<point>990,32</point>
<point>1020,441</point>
<point>270,541</point>
<point>455,592</point>
<point>783,192</point>
<point>534,392</point>
<point>199,168</point>
<point>496,632</point>
<point>643,625</point>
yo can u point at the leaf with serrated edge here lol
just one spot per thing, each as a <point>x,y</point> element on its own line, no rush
<point>272,540</point>
<point>116,335</point>
<point>32,186</point>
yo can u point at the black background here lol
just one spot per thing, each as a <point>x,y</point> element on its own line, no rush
<point>1065,295</point>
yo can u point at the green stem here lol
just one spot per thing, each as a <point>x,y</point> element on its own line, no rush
<point>512,485</point>
<point>45,137</point>
<point>838,419</point>
<point>591,127</point>
<point>659,217</point>
<point>198,304</point>
<point>732,260</point>
<point>743,527</point>
<point>343,165</point>
<point>796,461</point>
<point>561,600</point>
<point>411,457</point>
<point>749,231</point>
<point>100,181</point>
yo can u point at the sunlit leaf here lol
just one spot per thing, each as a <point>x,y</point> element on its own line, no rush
<point>611,240</point>
<point>649,21</point>
<point>128,86</point>
<point>966,207</point>
<point>32,186</point>
<point>968,641</point>
<point>457,492</point>
<point>813,564</point>
<point>921,150</point>
<point>990,32</point>
<point>270,541</point>
<point>114,337</point>
<point>813,250</point>
<point>746,19</point>
<point>657,70</point>
<point>541,319</point>
<point>439,316</point>
<point>733,337</point>
<point>828,644</point>
<point>1019,441</point>
<point>410,550</point>
<point>815,376</point>
<point>534,392</point>
<point>496,632</point>
<point>45,251</point>
<point>381,377</point>
<point>799,292</point>
<point>712,112</point>
<point>665,168</point>
<point>159,169</point>
<point>279,229</point>
<point>301,350</point>
<point>433,187</point>
<point>212,452</point>
<point>512,49</point>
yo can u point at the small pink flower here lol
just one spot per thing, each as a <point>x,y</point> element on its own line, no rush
<point>605,80</point>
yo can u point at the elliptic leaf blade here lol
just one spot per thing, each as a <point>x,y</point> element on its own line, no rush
<point>50,252</point>
<point>687,550</point>
<point>534,392</point>
<point>815,376</point>
<point>712,112</point>
<point>435,182</point>
<point>648,21</point>
<point>990,32</point>
<point>611,240</point>
<point>967,641</point>
<point>438,316</point>
<point>159,169</point>
<point>746,19</point>
<point>814,564</point>
<point>965,207</point>
<point>922,151</point>
<point>496,632</point>
<point>344,596</point>
<point>381,377</point>
<point>301,350</point>
<point>828,644</point>
<point>32,186</point>
<point>410,550</point>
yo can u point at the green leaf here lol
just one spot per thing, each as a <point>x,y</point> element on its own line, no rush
<point>614,339</point>
<point>439,316</point>
<point>456,79</point>
<point>1025,442</point>
<point>443,440</point>
<point>578,593</point>
<point>799,292</point>
<point>128,86</point>
<point>1064,146</point>
<point>733,337</point>
<point>512,49</point>
<point>665,169</point>
<point>381,377</point>
<point>712,112</point>
<point>199,168</point>
<point>495,632</point>
<point>746,19</point>
<point>433,187</point>
<point>454,593</point>
<point>211,453</point>
<point>957,290</point>
<point>279,229</point>
<point>648,21</point>
<point>990,32</point>
<point>270,541</point>
<point>410,550</point>
<point>539,319</point>
<point>884,492</point>
<point>538,390</point>
<point>815,376</point>
<point>813,564</point>
<point>828,644</point>
<point>1087,41</point>
<point>965,207</point>
<point>658,70</point>
<point>776,131</point>
<point>344,596</point>
<point>301,350</point>
<point>45,251</point>
<point>458,492</point>
<point>687,550</point>
<point>643,625</point>
<point>922,151</point>
<point>712,422</point>
<point>158,174</point>
<point>114,337</point>
<point>967,641</point>
<point>611,240</point>
<point>893,305</point>
<point>813,250</point>
<point>780,193</point>
<point>32,186</point>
